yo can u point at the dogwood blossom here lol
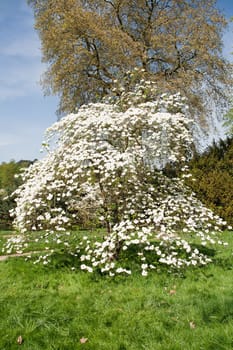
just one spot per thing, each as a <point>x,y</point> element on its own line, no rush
<point>106,166</point>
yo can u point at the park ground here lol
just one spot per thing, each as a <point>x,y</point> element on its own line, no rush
<point>56,307</point>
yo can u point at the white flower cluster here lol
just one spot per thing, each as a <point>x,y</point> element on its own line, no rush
<point>16,243</point>
<point>107,168</point>
<point>133,90</point>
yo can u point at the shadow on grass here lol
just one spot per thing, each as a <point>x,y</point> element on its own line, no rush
<point>63,259</point>
<point>130,259</point>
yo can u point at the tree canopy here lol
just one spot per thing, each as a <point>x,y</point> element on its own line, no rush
<point>89,43</point>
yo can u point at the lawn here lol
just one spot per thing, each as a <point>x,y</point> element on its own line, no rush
<point>53,307</point>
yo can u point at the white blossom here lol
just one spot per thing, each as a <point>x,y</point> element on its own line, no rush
<point>107,169</point>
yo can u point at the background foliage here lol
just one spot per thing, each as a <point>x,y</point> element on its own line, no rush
<point>213,172</point>
<point>8,184</point>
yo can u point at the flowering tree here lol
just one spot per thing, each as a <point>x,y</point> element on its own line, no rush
<point>105,165</point>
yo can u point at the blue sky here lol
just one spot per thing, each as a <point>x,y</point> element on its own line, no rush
<point>24,112</point>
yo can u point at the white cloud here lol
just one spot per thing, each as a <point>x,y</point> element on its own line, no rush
<point>228,43</point>
<point>28,47</point>
<point>20,55</point>
<point>24,114</point>
<point>12,138</point>
<point>10,92</point>
<point>7,140</point>
<point>21,143</point>
<point>20,79</point>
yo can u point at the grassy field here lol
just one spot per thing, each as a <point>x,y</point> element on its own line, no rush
<point>53,307</point>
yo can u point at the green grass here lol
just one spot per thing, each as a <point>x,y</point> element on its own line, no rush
<point>52,307</point>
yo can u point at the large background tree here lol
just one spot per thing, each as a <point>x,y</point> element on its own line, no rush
<point>88,44</point>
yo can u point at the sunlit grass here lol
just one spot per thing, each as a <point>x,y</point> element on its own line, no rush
<point>53,307</point>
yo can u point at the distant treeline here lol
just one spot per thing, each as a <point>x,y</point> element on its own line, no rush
<point>8,183</point>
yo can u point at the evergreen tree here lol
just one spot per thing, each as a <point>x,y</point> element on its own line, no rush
<point>213,172</point>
